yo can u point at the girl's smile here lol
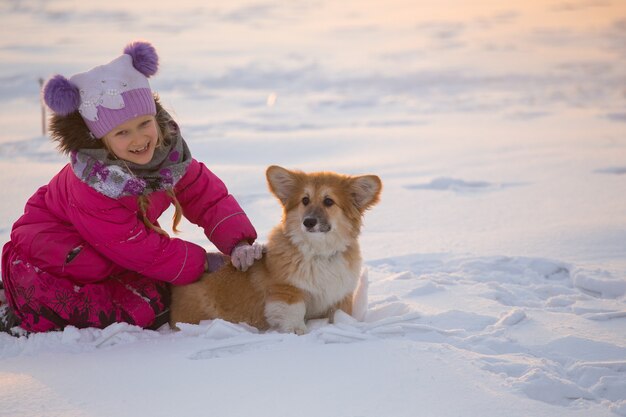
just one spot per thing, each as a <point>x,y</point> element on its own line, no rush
<point>138,151</point>
<point>134,140</point>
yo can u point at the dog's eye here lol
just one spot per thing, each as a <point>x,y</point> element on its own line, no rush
<point>306,201</point>
<point>328,202</point>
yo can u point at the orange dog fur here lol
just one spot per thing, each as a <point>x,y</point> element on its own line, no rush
<point>312,262</point>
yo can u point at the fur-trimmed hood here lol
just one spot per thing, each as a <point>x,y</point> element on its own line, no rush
<point>72,133</point>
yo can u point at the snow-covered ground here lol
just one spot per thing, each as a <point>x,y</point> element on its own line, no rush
<point>496,259</point>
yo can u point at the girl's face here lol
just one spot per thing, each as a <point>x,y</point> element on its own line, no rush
<point>134,140</point>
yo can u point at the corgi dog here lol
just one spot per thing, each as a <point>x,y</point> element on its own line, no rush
<point>312,260</point>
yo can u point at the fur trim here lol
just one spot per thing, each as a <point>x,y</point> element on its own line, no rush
<point>72,133</point>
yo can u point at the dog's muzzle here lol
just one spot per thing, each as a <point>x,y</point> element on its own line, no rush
<point>313,225</point>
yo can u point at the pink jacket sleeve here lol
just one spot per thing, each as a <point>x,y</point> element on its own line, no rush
<point>118,234</point>
<point>206,202</point>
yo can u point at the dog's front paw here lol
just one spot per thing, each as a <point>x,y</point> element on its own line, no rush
<point>299,330</point>
<point>286,318</point>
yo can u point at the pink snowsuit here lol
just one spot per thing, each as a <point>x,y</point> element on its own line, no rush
<point>77,257</point>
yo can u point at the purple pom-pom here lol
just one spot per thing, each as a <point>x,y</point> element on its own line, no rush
<point>145,58</point>
<point>61,95</point>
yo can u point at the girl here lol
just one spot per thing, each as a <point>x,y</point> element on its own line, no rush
<point>88,250</point>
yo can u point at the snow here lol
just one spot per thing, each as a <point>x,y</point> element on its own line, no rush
<point>495,264</point>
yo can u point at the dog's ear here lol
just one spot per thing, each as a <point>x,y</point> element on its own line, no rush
<point>282,182</point>
<point>365,191</point>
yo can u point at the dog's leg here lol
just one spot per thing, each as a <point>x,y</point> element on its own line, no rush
<point>345,305</point>
<point>331,315</point>
<point>285,309</point>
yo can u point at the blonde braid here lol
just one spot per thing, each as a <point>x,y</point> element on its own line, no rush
<point>143,203</point>
<point>178,212</point>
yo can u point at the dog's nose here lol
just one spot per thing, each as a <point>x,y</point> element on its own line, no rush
<point>309,222</point>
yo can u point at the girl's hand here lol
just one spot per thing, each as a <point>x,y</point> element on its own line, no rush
<point>244,255</point>
<point>214,261</point>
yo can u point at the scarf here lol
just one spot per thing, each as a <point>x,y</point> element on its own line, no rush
<point>117,178</point>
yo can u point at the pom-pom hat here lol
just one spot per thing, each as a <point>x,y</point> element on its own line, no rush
<point>107,95</point>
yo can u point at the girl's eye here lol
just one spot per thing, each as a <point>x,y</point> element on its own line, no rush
<point>146,123</point>
<point>121,133</point>
<point>306,201</point>
<point>328,202</point>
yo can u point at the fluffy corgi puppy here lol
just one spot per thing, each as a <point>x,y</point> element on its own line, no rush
<point>312,262</point>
